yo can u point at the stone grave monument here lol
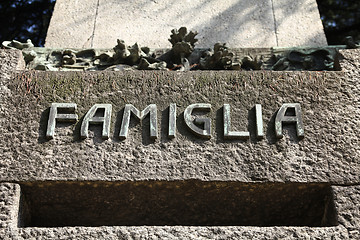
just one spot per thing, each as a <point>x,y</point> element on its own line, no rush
<point>173,153</point>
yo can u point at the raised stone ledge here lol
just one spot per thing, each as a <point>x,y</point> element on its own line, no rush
<point>11,60</point>
<point>328,101</point>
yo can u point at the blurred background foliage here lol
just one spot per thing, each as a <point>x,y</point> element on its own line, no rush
<point>29,19</point>
<point>340,18</point>
<point>25,19</point>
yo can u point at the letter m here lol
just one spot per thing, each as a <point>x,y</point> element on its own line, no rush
<point>129,108</point>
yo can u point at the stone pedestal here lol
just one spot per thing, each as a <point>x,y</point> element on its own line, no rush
<point>182,186</point>
<point>264,23</point>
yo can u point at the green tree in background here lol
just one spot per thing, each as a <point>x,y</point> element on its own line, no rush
<point>25,19</point>
<point>340,18</point>
<point>29,19</point>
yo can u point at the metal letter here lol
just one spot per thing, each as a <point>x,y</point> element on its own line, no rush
<point>227,125</point>
<point>54,116</point>
<point>281,118</point>
<point>259,122</point>
<point>172,120</point>
<point>190,119</point>
<point>91,118</point>
<point>129,108</point>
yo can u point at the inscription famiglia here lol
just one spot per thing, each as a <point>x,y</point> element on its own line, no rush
<point>193,122</point>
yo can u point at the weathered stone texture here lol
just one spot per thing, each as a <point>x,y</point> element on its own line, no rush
<point>347,200</point>
<point>328,101</point>
<point>10,62</point>
<point>350,63</point>
<point>267,23</point>
<point>183,232</point>
<point>329,151</point>
<point>9,210</point>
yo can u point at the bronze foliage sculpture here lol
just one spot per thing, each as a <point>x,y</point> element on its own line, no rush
<point>183,56</point>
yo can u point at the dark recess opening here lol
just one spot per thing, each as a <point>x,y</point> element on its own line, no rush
<point>187,203</point>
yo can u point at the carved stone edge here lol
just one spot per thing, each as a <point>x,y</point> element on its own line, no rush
<point>13,58</point>
<point>347,204</point>
<point>9,205</point>
<point>349,59</point>
<point>346,199</point>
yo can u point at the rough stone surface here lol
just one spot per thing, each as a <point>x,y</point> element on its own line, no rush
<point>183,232</point>
<point>268,23</point>
<point>329,102</point>
<point>9,209</point>
<point>328,153</point>
<point>347,200</point>
<point>10,62</point>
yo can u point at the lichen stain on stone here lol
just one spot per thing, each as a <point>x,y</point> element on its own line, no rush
<point>66,86</point>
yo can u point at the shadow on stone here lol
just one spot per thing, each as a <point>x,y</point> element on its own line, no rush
<point>169,203</point>
<point>43,125</point>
